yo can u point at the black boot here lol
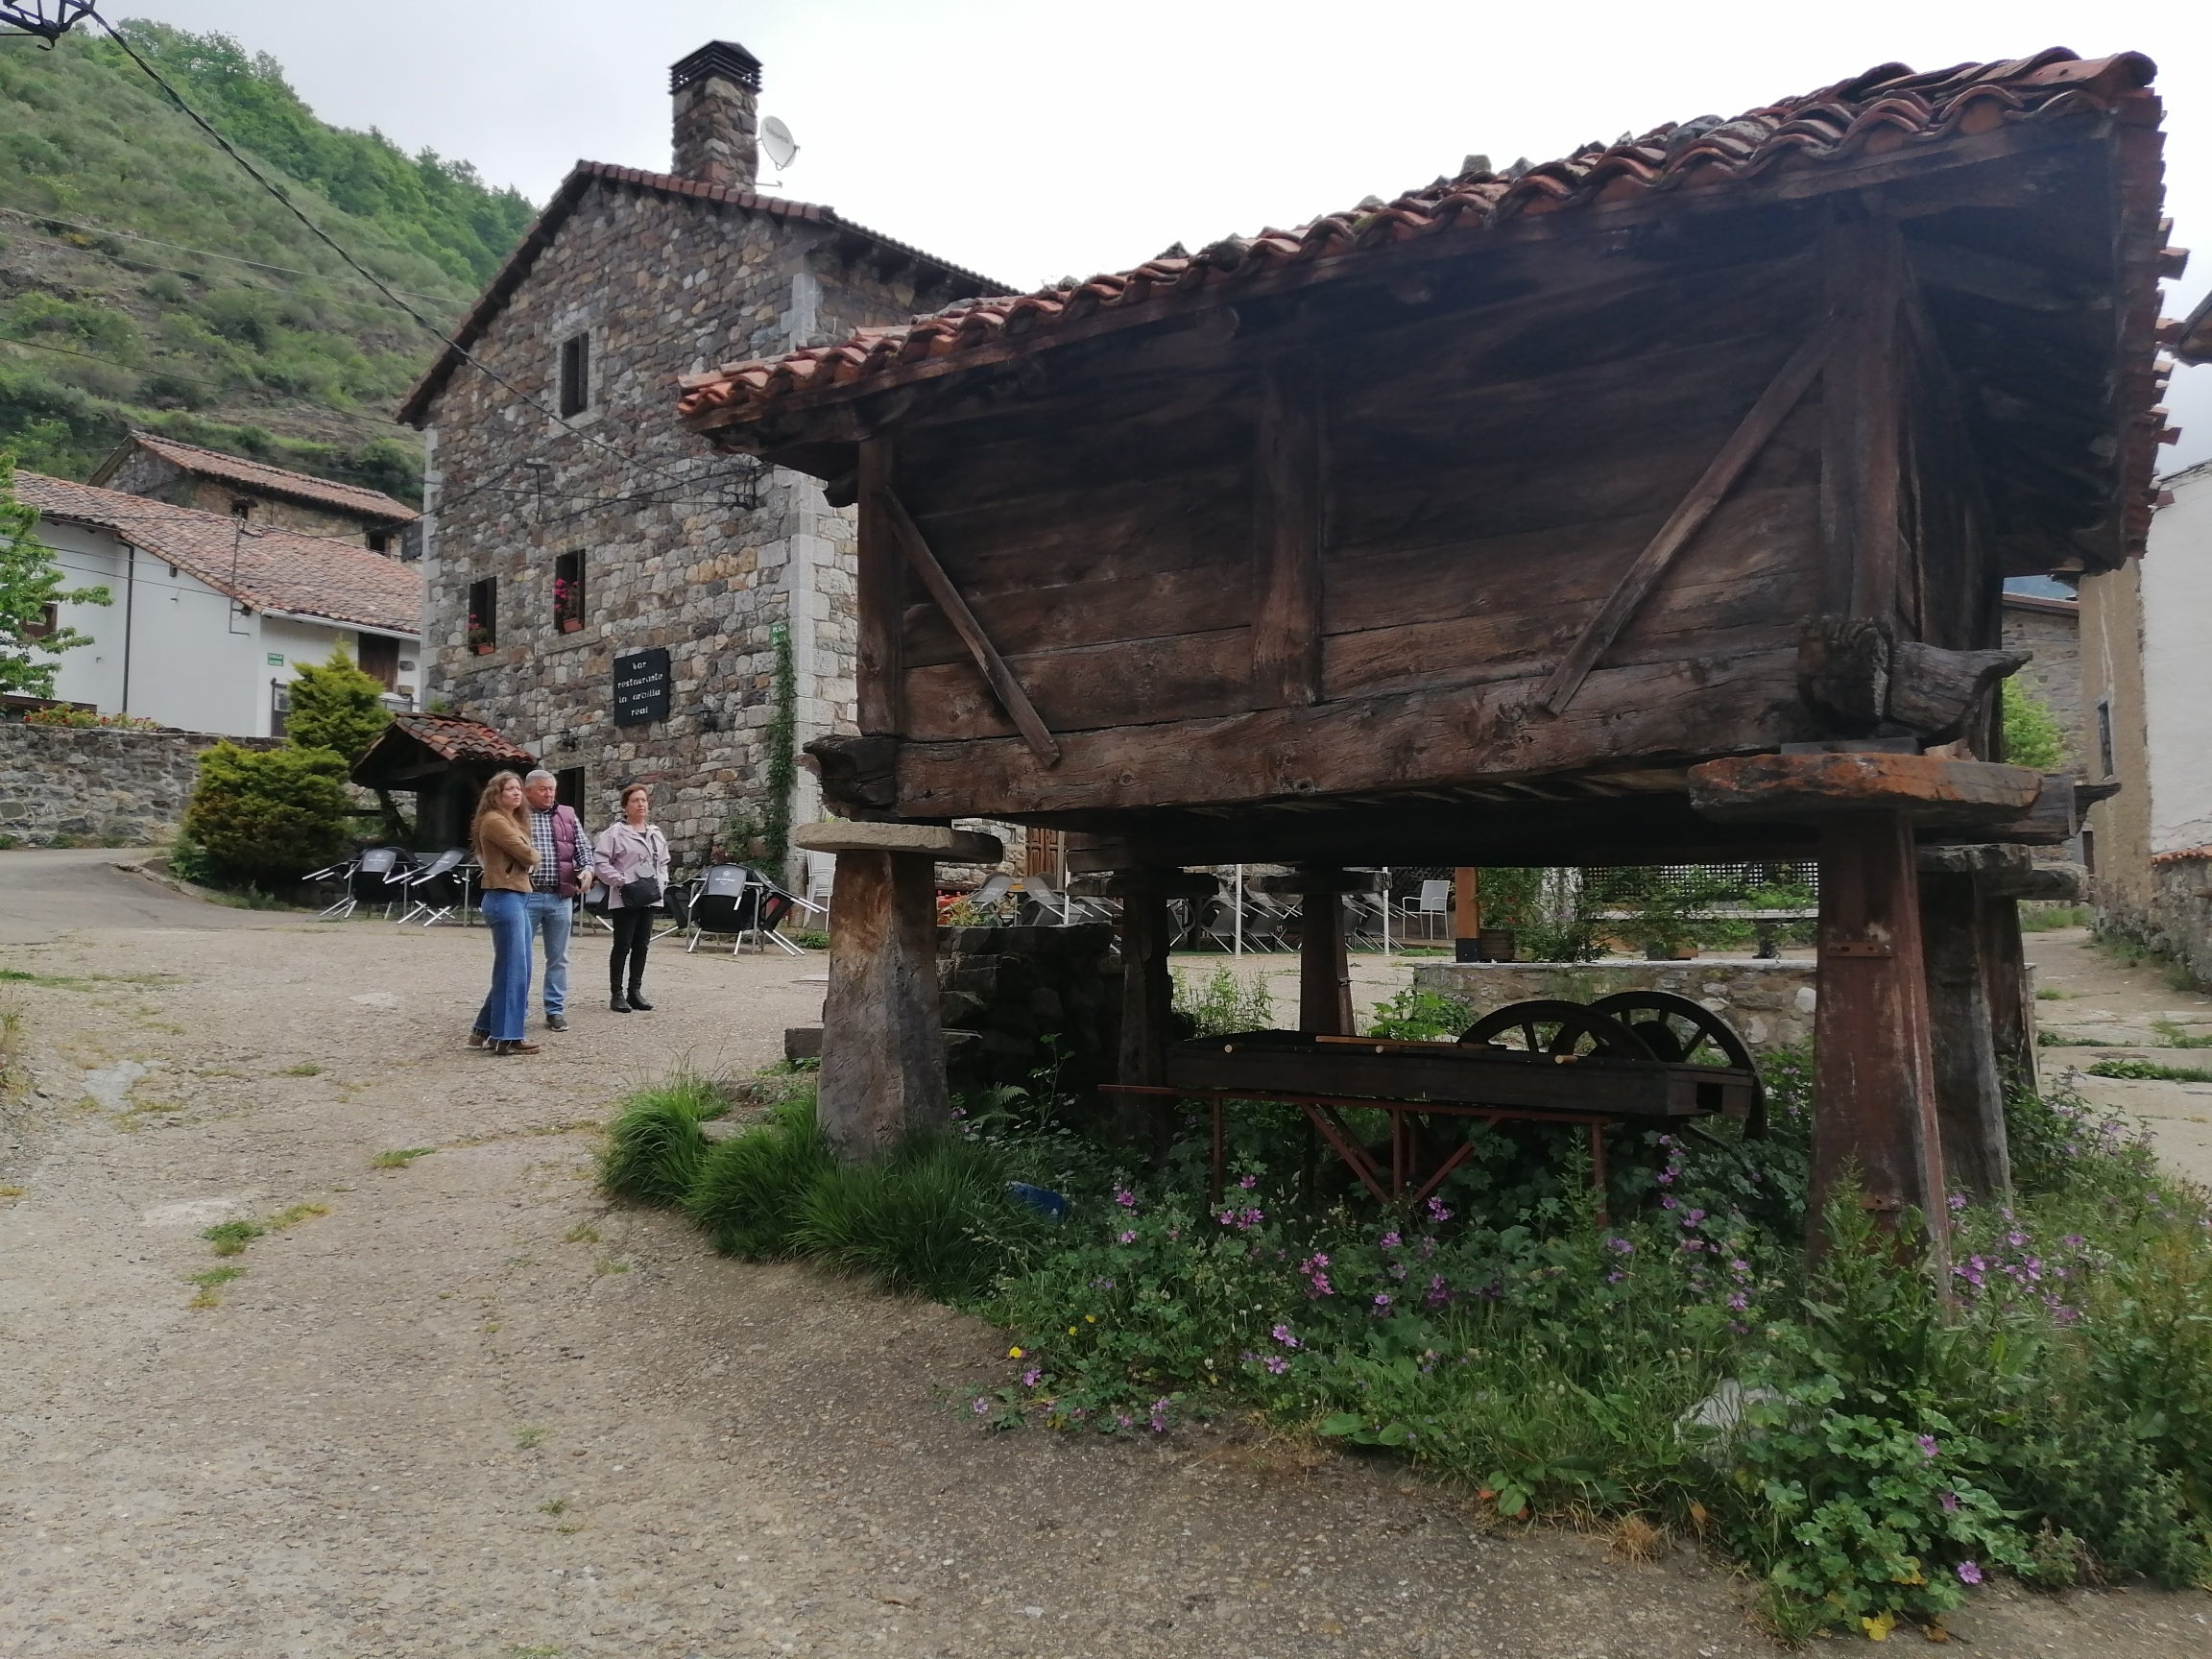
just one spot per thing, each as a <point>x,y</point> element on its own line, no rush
<point>638,996</point>
<point>618,1001</point>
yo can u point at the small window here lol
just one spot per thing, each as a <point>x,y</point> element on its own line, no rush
<point>2089,851</point>
<point>483,615</point>
<point>568,788</point>
<point>48,623</point>
<point>576,375</point>
<point>569,592</point>
<point>241,509</point>
<point>378,541</point>
<point>279,706</point>
<point>2104,736</point>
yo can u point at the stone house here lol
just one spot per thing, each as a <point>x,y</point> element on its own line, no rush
<point>599,588</point>
<point>264,496</point>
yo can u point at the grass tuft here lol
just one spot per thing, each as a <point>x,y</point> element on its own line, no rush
<point>293,1215</point>
<point>305,1069</point>
<point>655,1149</point>
<point>399,1156</point>
<point>214,1276</point>
<point>231,1238</point>
<point>583,1233</point>
<point>933,1218</point>
<point>2150,1070</point>
<point>751,1192</point>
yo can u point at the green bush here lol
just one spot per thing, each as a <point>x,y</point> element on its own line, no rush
<point>335,706</point>
<point>1225,1003</point>
<point>1420,1016</point>
<point>2032,736</point>
<point>654,1149</point>
<point>751,1194</point>
<point>935,1216</point>
<point>268,815</point>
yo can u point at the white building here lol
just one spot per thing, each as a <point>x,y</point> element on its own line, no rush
<point>210,614</point>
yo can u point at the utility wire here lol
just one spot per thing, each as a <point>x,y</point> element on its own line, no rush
<point>327,240</point>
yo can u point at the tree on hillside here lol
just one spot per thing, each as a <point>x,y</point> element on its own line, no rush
<point>335,706</point>
<point>30,582</point>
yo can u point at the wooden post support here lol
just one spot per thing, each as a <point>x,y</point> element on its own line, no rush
<point>1969,1095</point>
<point>880,600</point>
<point>1148,989</point>
<point>882,1036</point>
<point>1874,1086</point>
<point>2012,1009</point>
<point>1466,914</point>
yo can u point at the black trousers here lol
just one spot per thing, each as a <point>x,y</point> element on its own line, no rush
<point>633,927</point>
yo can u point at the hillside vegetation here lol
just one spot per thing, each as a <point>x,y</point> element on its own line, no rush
<point>146,279</point>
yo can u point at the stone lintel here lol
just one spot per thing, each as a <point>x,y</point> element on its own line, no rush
<point>926,840</point>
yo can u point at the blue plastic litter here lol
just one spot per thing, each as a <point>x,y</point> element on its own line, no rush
<point>1050,1204</point>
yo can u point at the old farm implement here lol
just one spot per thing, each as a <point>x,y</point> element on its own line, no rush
<point>1643,1057</point>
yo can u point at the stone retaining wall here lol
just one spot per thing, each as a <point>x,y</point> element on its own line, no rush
<point>1006,989</point>
<point>98,787</point>
<point>1769,1003</point>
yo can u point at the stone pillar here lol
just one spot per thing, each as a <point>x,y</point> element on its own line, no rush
<point>883,1034</point>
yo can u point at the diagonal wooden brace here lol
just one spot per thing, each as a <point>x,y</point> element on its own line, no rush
<point>1000,678</point>
<point>1636,582</point>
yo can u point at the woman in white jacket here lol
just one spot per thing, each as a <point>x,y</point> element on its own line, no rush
<point>633,868</point>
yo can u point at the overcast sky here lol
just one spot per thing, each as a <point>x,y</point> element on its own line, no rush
<point>1032,141</point>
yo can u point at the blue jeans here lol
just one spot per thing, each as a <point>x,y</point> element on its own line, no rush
<point>534,912</point>
<point>507,1009</point>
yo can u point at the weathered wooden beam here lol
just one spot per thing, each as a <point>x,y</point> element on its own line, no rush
<point>1935,693</point>
<point>1969,1090</point>
<point>1862,403</point>
<point>858,774</point>
<point>1466,913</point>
<point>1815,788</point>
<point>1414,739</point>
<point>2012,1009</point>
<point>1287,521</point>
<point>1861,679</point>
<point>1004,686</point>
<point>879,666</point>
<point>1324,958</point>
<point>1782,395</point>
<point>1147,1004</point>
<point>1874,1089</point>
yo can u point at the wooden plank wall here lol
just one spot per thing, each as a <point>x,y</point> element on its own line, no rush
<point>1483,486</point>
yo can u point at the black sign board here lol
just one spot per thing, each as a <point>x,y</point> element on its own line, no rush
<point>641,688</point>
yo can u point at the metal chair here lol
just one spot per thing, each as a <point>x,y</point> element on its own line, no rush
<point>1434,901</point>
<point>375,873</point>
<point>337,877</point>
<point>438,888</point>
<point>723,900</point>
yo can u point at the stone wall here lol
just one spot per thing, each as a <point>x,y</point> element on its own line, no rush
<point>1769,1004</point>
<point>98,787</point>
<point>1006,989</point>
<point>664,286</point>
<point>145,473</point>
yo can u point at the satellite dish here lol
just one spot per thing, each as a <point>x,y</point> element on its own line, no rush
<point>776,138</point>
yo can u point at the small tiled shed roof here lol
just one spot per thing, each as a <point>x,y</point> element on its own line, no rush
<point>1887,108</point>
<point>268,569</point>
<point>512,275</point>
<point>366,504</point>
<point>453,737</point>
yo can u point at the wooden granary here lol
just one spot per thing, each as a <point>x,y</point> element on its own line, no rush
<point>1649,505</point>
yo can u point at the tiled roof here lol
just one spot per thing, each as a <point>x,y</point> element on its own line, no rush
<point>373,504</point>
<point>1887,108</point>
<point>268,569</point>
<point>2193,342</point>
<point>2040,603</point>
<point>2181,853</point>
<point>512,275</point>
<point>456,738</point>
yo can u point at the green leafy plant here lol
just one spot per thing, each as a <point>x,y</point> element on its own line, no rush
<point>268,815</point>
<point>30,581</point>
<point>335,706</point>
<point>655,1149</point>
<point>2149,1068</point>
<point>2032,736</point>
<point>1225,1003</point>
<point>1417,1016</point>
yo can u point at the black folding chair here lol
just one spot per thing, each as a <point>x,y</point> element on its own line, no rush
<point>335,877</point>
<point>437,888</point>
<point>376,877</point>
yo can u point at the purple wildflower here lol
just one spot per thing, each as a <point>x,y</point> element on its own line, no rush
<point>1129,1238</point>
<point>1927,1445</point>
<point>1969,1573</point>
<point>1950,1503</point>
<point>1383,1299</point>
<point>1389,1240</point>
<point>1033,1377</point>
<point>979,1405</point>
<point>1282,1335</point>
<point>1248,1182</point>
<point>1276,1363</point>
<point>1124,1197</point>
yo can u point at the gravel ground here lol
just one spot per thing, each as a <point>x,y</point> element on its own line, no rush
<point>472,1409</point>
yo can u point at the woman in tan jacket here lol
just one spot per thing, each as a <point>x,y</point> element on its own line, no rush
<point>501,839</point>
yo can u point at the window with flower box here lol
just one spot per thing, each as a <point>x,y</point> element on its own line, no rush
<point>569,592</point>
<point>483,616</point>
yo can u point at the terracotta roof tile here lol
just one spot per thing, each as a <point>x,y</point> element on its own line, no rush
<point>272,480</point>
<point>512,275</point>
<point>2181,853</point>
<point>456,738</point>
<point>268,569</point>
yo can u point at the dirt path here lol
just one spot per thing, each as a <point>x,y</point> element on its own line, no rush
<point>474,1411</point>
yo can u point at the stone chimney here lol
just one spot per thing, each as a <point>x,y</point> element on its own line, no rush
<point>716,90</point>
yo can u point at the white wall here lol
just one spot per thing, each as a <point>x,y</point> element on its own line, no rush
<point>2177,665</point>
<point>193,661</point>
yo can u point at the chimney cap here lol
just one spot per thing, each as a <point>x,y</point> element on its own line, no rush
<point>720,58</point>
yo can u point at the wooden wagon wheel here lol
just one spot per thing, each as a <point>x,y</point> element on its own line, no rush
<point>1547,1026</point>
<point>1678,1029</point>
